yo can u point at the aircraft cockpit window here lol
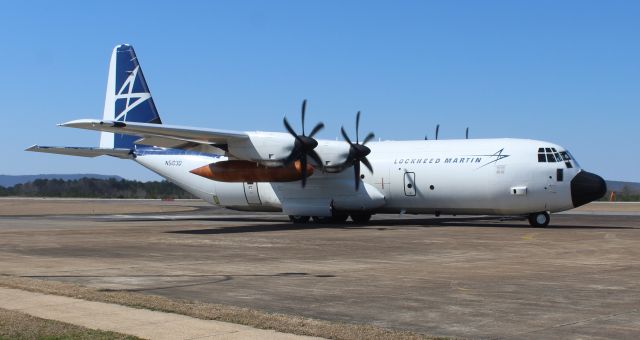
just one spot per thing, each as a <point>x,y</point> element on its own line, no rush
<point>569,161</point>
<point>549,155</point>
<point>573,159</point>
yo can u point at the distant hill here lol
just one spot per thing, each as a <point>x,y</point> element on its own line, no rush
<point>617,186</point>
<point>9,180</point>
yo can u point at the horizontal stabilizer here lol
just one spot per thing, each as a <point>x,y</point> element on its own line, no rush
<point>187,134</point>
<point>82,152</point>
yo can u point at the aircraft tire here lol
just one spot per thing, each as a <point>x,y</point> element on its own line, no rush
<point>539,219</point>
<point>360,218</point>
<point>299,219</point>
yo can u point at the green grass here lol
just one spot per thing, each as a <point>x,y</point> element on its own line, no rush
<point>19,326</point>
<point>207,311</point>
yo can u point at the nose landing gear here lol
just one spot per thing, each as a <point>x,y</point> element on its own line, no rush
<point>539,219</point>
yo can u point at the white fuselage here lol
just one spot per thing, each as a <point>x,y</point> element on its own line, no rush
<point>480,176</point>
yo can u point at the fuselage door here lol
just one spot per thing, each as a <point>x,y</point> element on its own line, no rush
<point>251,193</point>
<point>410,183</point>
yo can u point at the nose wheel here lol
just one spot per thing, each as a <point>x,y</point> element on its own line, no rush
<point>539,219</point>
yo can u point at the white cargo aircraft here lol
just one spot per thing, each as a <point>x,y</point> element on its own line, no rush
<point>323,179</point>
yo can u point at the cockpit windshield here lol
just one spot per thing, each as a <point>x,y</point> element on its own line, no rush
<point>551,155</point>
<point>567,156</point>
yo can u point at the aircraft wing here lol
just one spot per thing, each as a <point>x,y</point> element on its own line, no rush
<point>81,151</point>
<point>147,130</point>
<point>269,148</point>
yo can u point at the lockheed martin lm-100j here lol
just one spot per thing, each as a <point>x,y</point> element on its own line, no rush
<point>330,180</point>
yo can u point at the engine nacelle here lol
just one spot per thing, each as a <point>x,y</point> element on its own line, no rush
<point>246,171</point>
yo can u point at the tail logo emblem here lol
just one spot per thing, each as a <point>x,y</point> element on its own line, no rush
<point>131,99</point>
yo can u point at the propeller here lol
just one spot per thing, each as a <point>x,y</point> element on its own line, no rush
<point>437,131</point>
<point>358,152</point>
<point>466,134</point>
<point>304,145</point>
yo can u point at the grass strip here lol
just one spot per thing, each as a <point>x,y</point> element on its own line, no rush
<point>209,311</point>
<point>18,326</point>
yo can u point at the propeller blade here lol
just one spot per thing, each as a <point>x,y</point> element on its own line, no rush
<point>366,163</point>
<point>304,110</point>
<point>357,127</point>
<point>437,130</point>
<point>344,135</point>
<point>426,137</point>
<point>316,158</point>
<point>369,137</point>
<point>303,170</point>
<point>466,134</point>
<point>289,128</point>
<point>356,170</point>
<point>316,129</point>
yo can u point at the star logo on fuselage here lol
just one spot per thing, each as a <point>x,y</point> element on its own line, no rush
<point>495,157</point>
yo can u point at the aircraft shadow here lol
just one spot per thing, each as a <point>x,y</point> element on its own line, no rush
<point>380,224</point>
<point>207,218</point>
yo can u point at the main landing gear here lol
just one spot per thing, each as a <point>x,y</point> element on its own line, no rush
<point>539,219</point>
<point>358,218</point>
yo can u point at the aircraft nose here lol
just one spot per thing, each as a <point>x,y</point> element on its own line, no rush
<point>587,187</point>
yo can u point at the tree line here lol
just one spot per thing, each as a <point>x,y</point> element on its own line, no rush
<point>627,194</point>
<point>96,188</point>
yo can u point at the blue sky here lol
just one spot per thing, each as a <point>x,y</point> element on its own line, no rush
<point>562,71</point>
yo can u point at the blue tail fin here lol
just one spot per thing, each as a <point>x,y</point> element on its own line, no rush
<point>128,98</point>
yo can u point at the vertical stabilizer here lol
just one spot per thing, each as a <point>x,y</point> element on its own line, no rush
<point>128,98</point>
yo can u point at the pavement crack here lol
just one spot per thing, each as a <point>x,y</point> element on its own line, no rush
<point>603,317</point>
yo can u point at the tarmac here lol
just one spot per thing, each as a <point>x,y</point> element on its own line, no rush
<point>471,277</point>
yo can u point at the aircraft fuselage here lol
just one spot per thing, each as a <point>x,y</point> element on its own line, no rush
<point>480,176</point>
